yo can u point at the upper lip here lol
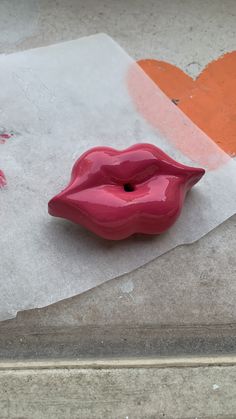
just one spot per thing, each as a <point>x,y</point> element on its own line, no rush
<point>118,193</point>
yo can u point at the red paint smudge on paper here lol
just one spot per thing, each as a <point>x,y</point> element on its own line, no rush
<point>3,180</point>
<point>4,136</point>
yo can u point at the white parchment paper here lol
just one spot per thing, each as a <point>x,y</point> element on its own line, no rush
<point>58,101</point>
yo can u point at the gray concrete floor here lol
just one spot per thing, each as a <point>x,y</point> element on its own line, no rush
<point>184,301</point>
<point>118,393</point>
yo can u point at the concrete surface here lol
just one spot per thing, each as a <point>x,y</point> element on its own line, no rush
<point>119,393</point>
<point>183,302</point>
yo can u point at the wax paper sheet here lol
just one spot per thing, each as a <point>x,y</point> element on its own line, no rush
<point>56,102</point>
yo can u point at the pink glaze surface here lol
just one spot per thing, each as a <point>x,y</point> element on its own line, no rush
<point>118,193</point>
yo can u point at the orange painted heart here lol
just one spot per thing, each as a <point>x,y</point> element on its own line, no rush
<point>209,101</point>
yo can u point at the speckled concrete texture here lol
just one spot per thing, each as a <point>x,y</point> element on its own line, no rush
<point>140,393</point>
<point>184,301</point>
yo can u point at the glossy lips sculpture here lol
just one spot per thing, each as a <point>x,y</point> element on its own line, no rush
<point>118,193</point>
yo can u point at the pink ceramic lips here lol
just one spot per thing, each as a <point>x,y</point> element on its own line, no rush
<point>118,193</point>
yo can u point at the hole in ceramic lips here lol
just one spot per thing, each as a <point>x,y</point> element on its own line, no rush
<point>128,187</point>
